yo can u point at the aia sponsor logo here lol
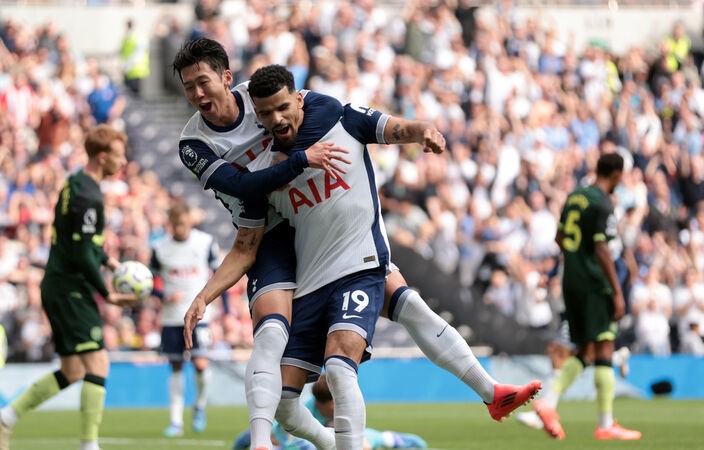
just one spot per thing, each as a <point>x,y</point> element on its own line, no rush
<point>313,194</point>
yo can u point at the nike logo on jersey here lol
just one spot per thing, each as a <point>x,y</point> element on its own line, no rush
<point>350,316</point>
<point>443,330</point>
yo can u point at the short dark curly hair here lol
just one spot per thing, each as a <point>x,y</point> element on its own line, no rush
<point>609,163</point>
<point>269,80</point>
<point>201,50</point>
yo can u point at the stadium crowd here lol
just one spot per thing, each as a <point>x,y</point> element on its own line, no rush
<point>525,115</point>
<point>49,96</point>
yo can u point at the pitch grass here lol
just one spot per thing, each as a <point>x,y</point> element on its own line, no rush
<point>666,424</point>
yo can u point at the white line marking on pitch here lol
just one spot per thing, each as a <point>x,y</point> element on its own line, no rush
<point>132,441</point>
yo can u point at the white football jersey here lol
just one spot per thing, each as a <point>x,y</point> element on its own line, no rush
<point>185,267</point>
<point>338,222</point>
<point>205,148</point>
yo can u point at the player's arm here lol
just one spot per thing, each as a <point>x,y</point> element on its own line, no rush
<point>368,126</point>
<point>155,267</point>
<point>216,173</point>
<point>605,230</point>
<point>559,236</point>
<point>88,253</point>
<point>111,263</point>
<point>603,256</point>
<point>403,131</point>
<point>237,262</point>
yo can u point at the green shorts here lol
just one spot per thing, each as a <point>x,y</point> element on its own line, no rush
<point>73,314</point>
<point>590,317</point>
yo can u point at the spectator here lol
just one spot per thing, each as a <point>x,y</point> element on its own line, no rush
<point>525,114</point>
<point>105,101</point>
<point>134,51</point>
<point>499,293</point>
<point>678,45</point>
<point>410,225</point>
<point>688,300</point>
<point>692,343</point>
<point>651,304</point>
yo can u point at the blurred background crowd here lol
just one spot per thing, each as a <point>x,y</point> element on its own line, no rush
<point>524,112</point>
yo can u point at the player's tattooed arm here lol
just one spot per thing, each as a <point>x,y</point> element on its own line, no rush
<point>248,239</point>
<point>398,132</point>
<point>237,262</point>
<point>402,131</point>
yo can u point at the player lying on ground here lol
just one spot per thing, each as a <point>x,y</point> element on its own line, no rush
<point>321,406</point>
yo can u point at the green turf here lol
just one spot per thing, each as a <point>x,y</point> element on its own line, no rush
<point>667,425</point>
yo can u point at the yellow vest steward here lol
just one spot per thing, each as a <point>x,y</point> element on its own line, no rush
<point>135,56</point>
<point>679,49</point>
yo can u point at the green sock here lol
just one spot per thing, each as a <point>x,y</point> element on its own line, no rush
<point>92,404</point>
<point>42,390</point>
<point>571,369</point>
<point>604,382</point>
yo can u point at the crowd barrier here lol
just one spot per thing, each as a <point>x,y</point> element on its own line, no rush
<point>144,384</point>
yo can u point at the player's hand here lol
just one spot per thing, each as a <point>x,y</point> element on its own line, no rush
<point>433,141</point>
<point>122,300</point>
<point>190,320</point>
<point>324,155</point>
<point>112,263</point>
<point>619,306</point>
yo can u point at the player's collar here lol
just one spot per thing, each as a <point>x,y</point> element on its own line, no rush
<point>233,125</point>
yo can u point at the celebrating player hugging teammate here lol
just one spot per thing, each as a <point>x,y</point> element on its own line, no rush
<point>224,135</point>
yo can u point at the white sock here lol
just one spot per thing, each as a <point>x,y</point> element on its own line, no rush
<point>388,439</point>
<point>176,398</point>
<point>296,419</point>
<point>551,397</point>
<point>8,416</point>
<point>442,344</point>
<point>260,427</point>
<point>263,378</point>
<point>482,383</point>
<point>202,383</point>
<point>350,415</point>
<point>606,420</point>
<point>90,445</point>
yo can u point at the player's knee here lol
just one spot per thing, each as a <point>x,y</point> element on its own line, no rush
<point>346,343</point>
<point>201,364</point>
<point>62,380</point>
<point>273,323</point>
<point>585,360</point>
<point>293,378</point>
<point>73,375</point>
<point>94,379</point>
<point>340,372</point>
<point>392,295</point>
<point>271,335</point>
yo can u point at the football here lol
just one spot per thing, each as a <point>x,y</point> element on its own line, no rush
<point>133,277</point>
